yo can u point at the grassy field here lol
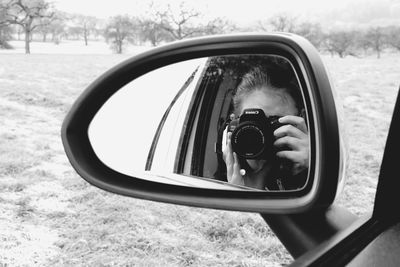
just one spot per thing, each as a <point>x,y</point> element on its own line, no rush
<point>50,216</point>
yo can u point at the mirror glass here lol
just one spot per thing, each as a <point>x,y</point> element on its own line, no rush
<point>236,122</point>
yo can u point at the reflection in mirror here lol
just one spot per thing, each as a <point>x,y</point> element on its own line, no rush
<point>224,122</point>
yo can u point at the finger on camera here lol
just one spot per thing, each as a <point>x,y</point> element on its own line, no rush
<point>229,171</point>
<point>228,147</point>
<point>224,136</point>
<point>293,156</point>
<point>228,140</point>
<point>229,164</point>
<point>288,130</point>
<point>296,121</point>
<point>236,166</point>
<point>229,157</point>
<point>287,141</point>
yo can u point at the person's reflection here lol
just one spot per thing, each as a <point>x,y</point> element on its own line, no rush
<point>287,167</point>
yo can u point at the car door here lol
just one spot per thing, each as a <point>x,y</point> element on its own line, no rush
<point>373,240</point>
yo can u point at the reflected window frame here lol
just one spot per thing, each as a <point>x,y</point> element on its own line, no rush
<point>201,120</point>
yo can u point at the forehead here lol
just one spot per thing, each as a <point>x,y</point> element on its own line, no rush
<point>272,102</point>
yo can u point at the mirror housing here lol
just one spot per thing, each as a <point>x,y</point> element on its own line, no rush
<point>327,157</point>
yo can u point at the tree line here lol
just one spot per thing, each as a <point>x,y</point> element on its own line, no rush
<point>39,20</point>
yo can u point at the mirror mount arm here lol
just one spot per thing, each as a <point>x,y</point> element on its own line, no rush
<point>300,233</point>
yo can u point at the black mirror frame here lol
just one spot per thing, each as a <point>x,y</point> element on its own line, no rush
<point>326,142</point>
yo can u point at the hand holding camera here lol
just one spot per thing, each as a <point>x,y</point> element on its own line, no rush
<point>254,140</point>
<point>293,143</point>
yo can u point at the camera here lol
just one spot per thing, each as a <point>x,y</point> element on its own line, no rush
<point>252,134</point>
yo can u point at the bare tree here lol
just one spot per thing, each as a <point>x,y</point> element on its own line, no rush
<point>85,25</point>
<point>218,26</point>
<point>29,14</point>
<point>119,30</point>
<point>5,36</point>
<point>74,32</point>
<point>393,37</point>
<point>55,26</point>
<point>98,30</point>
<point>361,41</point>
<point>179,25</point>
<point>5,31</point>
<point>278,23</point>
<point>19,30</point>
<point>340,42</point>
<point>153,31</point>
<point>312,32</point>
<point>3,14</point>
<point>376,39</point>
<point>176,22</point>
<point>44,29</point>
<point>58,29</point>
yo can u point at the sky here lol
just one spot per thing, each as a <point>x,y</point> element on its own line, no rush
<point>242,12</point>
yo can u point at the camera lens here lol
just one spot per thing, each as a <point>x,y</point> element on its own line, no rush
<point>248,141</point>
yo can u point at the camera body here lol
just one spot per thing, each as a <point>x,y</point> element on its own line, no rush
<point>252,134</point>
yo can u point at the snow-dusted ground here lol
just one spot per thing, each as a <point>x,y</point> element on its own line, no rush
<point>69,47</point>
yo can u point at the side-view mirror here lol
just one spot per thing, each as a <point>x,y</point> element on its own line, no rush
<point>238,122</point>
